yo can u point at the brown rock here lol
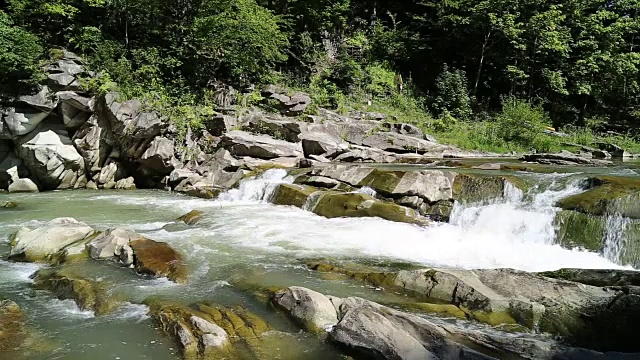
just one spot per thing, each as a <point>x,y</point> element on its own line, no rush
<point>158,259</point>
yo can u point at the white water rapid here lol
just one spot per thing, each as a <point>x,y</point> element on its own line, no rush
<point>517,232</point>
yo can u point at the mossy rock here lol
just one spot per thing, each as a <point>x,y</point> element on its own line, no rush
<point>370,275</point>
<point>292,195</point>
<point>607,194</point>
<point>383,181</point>
<point>12,328</point>
<point>476,188</point>
<point>574,229</point>
<point>159,259</point>
<point>596,277</point>
<point>87,294</point>
<point>445,310</point>
<point>8,205</point>
<point>335,204</point>
<point>191,218</point>
<point>207,193</point>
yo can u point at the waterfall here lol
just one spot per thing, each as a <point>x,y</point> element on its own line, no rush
<point>613,242</point>
<point>260,188</point>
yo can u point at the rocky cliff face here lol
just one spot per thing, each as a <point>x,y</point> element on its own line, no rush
<point>63,137</point>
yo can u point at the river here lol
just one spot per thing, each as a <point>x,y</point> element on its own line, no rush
<point>243,239</point>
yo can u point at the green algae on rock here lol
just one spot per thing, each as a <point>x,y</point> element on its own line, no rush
<point>292,195</point>
<point>575,229</point>
<point>65,284</point>
<point>191,218</point>
<point>607,195</point>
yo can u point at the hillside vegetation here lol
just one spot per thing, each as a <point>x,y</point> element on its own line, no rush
<point>481,74</point>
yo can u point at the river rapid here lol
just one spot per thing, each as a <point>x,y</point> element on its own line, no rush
<point>243,239</point>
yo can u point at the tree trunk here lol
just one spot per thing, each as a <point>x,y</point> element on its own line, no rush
<point>481,63</point>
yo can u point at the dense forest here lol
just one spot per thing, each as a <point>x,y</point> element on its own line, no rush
<point>475,71</point>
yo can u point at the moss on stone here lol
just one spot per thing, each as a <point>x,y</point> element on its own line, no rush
<point>293,195</point>
<point>335,204</point>
<point>383,181</point>
<point>191,218</point>
<point>447,310</point>
<point>87,294</point>
<point>574,229</point>
<point>607,194</point>
<point>493,318</point>
<point>370,275</point>
<point>475,188</point>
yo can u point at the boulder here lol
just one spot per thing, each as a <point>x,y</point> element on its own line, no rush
<point>282,129</point>
<point>96,145</point>
<point>564,158</point>
<point>158,156</point>
<point>8,205</point>
<point>23,186</point>
<point>293,105</point>
<point>28,112</point>
<point>335,204</point>
<point>64,73</point>
<point>86,293</point>
<point>240,143</point>
<point>400,143</point>
<point>371,331</point>
<point>314,311</point>
<point>51,159</point>
<point>292,195</point>
<point>220,124</point>
<point>46,241</point>
<point>606,195</point>
<point>597,277</point>
<point>614,150</point>
<point>365,155</point>
<point>112,244</point>
<point>408,129</point>
<point>191,218</point>
<point>11,169</point>
<point>158,259</point>
<point>12,330</point>
<point>207,331</point>
<point>75,109</point>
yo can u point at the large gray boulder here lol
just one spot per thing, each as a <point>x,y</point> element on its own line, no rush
<point>45,241</point>
<point>113,243</point>
<point>241,143</point>
<point>158,156</point>
<point>564,158</point>
<point>28,112</point>
<point>94,141</point>
<point>51,159</point>
<point>400,143</point>
<point>75,108</point>
<point>322,140</point>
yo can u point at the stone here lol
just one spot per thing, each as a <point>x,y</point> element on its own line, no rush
<point>596,277</point>
<point>282,129</point>
<point>95,143</point>
<point>606,195</point>
<point>12,330</point>
<point>575,229</point>
<point>191,218</point>
<point>319,181</point>
<point>28,113</point>
<point>335,204</point>
<point>322,139</point>
<point>23,186</point>
<point>86,293</point>
<point>564,158</point>
<point>64,72</point>
<point>407,129</point>
<point>240,143</point>
<point>126,184</point>
<point>293,105</point>
<point>372,331</point>
<point>158,259</point>
<point>158,156</point>
<point>51,159</point>
<point>40,244</point>
<point>220,124</point>
<point>365,155</point>
<point>8,204</point>
<point>314,311</point>
<point>292,195</point>
<point>109,244</point>
<point>400,143</point>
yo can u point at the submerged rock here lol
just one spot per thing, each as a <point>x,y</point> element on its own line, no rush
<point>87,294</point>
<point>8,205</point>
<point>44,243</point>
<point>158,259</point>
<point>597,277</point>
<point>12,328</point>
<point>206,331</point>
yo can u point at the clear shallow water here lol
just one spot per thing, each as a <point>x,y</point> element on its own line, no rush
<point>243,240</point>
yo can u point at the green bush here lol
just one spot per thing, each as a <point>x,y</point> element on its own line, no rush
<point>453,94</point>
<point>523,123</point>
<point>20,55</point>
<point>380,81</point>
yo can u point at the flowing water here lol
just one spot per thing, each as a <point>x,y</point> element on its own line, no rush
<point>243,239</point>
